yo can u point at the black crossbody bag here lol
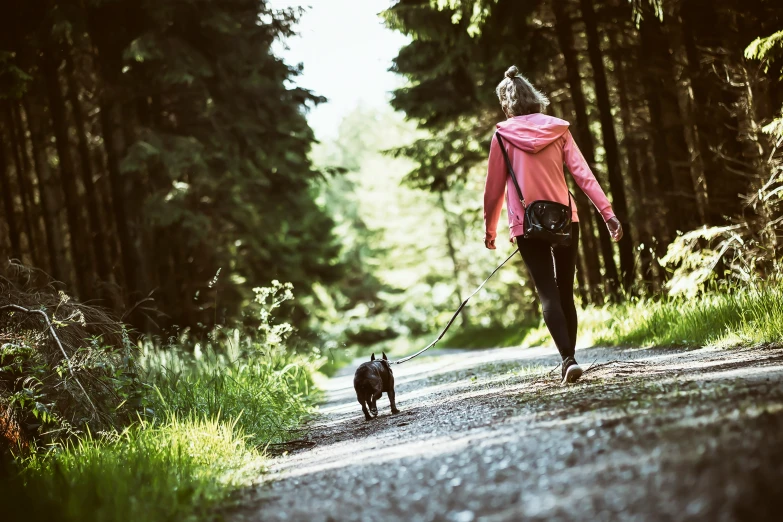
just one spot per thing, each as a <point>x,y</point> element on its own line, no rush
<point>549,221</point>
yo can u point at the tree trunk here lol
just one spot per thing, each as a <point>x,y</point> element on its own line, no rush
<point>690,11</point>
<point>685,98</point>
<point>565,39</point>
<point>36,210</point>
<point>613,169</point>
<point>112,142</point>
<point>23,183</point>
<point>589,254</point>
<point>452,250</point>
<point>656,247</point>
<point>670,149</point>
<point>96,230</point>
<point>644,196</point>
<point>590,247</point>
<point>581,285</point>
<point>79,251</point>
<point>8,203</point>
<point>43,175</point>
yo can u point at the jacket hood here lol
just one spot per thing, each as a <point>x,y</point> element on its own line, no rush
<point>532,132</point>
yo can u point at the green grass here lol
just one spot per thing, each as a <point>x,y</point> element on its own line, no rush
<point>494,337</point>
<point>270,394</point>
<point>734,317</point>
<point>206,423</point>
<point>737,316</point>
<point>179,469</point>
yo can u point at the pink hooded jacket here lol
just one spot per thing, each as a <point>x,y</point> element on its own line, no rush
<point>537,146</point>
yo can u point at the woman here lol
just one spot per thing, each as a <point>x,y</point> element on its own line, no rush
<point>537,147</point>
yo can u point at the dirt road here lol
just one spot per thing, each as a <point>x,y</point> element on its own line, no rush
<point>490,435</point>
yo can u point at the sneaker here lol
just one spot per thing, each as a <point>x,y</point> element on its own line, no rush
<point>571,370</point>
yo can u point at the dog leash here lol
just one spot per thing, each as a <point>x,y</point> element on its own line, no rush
<point>433,343</point>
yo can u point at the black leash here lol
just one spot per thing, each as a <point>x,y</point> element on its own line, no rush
<point>408,358</point>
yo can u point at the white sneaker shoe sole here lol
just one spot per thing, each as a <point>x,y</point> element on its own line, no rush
<point>572,374</point>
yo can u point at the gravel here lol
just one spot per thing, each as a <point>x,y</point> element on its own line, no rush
<point>490,435</point>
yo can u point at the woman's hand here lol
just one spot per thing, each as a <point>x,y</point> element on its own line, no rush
<point>615,229</point>
<point>489,243</point>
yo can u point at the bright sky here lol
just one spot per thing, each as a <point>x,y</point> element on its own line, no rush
<point>346,52</point>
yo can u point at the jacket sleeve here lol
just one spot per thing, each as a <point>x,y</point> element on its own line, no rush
<point>584,177</point>
<point>494,189</point>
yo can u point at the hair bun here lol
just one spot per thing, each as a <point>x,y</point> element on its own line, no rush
<point>512,72</point>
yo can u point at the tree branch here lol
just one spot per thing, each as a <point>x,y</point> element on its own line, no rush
<point>59,344</point>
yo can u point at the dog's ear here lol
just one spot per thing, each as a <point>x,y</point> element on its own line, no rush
<point>372,357</point>
<point>384,356</point>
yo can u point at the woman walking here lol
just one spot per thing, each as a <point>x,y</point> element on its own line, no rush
<point>537,145</point>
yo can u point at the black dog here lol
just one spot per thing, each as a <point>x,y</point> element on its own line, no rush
<point>370,381</point>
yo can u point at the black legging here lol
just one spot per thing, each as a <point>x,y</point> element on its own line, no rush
<point>555,285</point>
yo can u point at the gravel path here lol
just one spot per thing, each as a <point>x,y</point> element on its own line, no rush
<point>490,435</point>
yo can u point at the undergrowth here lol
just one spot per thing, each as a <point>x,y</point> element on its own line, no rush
<point>269,392</point>
<point>177,469</point>
<point>204,416</point>
<point>203,435</point>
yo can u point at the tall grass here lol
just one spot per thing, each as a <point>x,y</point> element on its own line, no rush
<point>268,392</point>
<point>731,316</point>
<point>207,420</point>
<point>179,469</point>
<point>738,316</point>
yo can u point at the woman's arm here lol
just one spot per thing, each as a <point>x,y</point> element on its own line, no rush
<point>584,177</point>
<point>494,191</point>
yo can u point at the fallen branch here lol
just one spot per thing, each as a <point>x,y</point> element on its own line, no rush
<point>591,365</point>
<point>59,344</point>
<point>601,365</point>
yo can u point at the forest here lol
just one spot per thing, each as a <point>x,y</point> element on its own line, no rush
<point>183,264</point>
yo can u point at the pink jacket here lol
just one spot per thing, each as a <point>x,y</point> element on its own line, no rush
<point>537,146</point>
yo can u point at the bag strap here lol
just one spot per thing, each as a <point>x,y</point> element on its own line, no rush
<point>510,169</point>
<point>514,177</point>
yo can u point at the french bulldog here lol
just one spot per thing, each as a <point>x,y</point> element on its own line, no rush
<point>370,381</point>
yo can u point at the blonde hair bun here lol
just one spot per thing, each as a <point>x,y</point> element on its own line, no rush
<point>518,96</point>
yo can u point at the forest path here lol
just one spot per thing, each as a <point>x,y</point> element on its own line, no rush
<point>491,435</point>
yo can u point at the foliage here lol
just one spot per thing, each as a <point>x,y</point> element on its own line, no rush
<point>208,415</point>
<point>13,80</point>
<point>423,248</point>
<point>85,378</point>
<point>695,256</point>
<point>770,51</point>
<point>749,249</point>
<point>768,48</point>
<point>194,148</point>
<point>251,377</point>
<point>661,94</point>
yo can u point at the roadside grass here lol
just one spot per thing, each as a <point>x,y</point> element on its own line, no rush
<point>269,392</point>
<point>178,469</point>
<point>201,437</point>
<point>734,317</point>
